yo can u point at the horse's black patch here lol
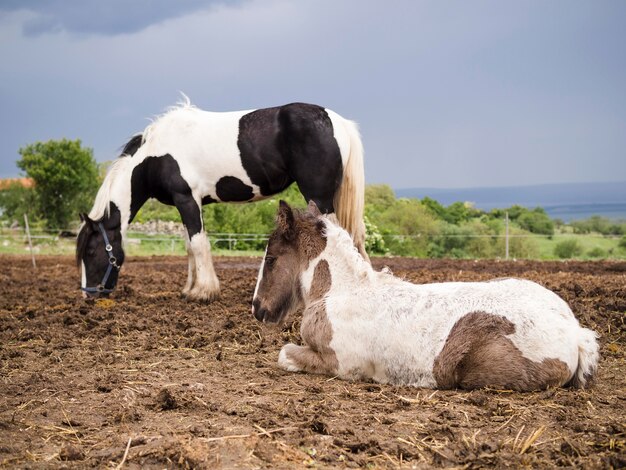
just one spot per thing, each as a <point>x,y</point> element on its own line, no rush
<point>160,178</point>
<point>132,145</point>
<point>232,189</point>
<point>110,222</point>
<point>208,200</point>
<point>290,143</point>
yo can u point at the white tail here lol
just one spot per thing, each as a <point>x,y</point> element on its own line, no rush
<point>588,357</point>
<point>349,199</point>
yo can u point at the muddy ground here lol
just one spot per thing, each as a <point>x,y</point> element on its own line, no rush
<point>149,380</point>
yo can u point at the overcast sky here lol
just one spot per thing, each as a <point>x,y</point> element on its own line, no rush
<point>447,93</point>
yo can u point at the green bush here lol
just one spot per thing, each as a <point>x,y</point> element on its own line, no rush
<point>536,221</point>
<point>409,223</point>
<point>374,241</point>
<point>599,224</point>
<point>455,213</point>
<point>568,249</point>
<point>596,252</point>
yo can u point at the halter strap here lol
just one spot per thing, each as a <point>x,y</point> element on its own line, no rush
<point>100,288</point>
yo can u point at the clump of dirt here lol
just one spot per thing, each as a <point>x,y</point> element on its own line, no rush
<point>152,380</point>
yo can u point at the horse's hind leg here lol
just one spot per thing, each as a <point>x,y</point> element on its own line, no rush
<point>202,283</point>
<point>478,353</point>
<point>500,364</point>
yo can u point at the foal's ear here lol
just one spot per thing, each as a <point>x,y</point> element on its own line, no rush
<point>313,209</point>
<point>285,221</point>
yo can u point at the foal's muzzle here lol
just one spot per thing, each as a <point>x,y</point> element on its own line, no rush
<point>258,312</point>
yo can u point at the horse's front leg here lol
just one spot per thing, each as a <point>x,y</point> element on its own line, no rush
<point>296,358</point>
<point>202,283</point>
<point>206,286</point>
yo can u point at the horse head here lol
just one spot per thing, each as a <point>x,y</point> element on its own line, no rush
<point>298,239</point>
<point>99,253</point>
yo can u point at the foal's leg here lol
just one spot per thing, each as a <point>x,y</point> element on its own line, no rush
<point>479,353</point>
<point>302,358</point>
<point>499,364</point>
<point>202,283</point>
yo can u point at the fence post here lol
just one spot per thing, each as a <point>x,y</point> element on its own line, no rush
<point>30,243</point>
<point>506,238</point>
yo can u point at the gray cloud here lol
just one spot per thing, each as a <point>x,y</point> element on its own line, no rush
<point>108,17</point>
<point>446,94</point>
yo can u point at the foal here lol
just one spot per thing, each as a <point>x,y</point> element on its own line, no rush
<point>362,324</point>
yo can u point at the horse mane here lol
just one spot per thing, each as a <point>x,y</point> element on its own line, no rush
<point>183,104</point>
<point>100,207</point>
<point>132,145</point>
<point>342,246</point>
<point>81,241</point>
<point>103,198</point>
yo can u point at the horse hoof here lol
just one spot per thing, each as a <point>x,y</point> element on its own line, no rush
<point>284,362</point>
<point>201,295</point>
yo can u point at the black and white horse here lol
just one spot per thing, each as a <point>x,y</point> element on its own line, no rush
<point>189,157</point>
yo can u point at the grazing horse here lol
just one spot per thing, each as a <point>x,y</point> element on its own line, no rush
<point>362,324</point>
<point>189,157</point>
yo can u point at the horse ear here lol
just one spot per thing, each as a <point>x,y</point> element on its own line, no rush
<point>285,221</point>
<point>313,209</point>
<point>85,218</point>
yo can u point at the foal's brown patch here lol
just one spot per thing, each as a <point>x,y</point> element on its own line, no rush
<point>477,354</point>
<point>321,281</point>
<point>311,242</point>
<point>316,330</point>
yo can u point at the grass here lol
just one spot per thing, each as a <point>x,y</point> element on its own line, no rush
<point>593,246</point>
<point>162,245</point>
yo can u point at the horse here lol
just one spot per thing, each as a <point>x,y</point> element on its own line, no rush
<point>189,157</point>
<point>360,324</point>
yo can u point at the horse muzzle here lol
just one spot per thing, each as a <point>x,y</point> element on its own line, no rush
<point>263,314</point>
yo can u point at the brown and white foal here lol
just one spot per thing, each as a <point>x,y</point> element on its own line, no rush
<point>362,324</point>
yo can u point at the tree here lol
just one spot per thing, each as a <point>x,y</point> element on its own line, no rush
<point>66,179</point>
<point>536,221</point>
<point>380,196</point>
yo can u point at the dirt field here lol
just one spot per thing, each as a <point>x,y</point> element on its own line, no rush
<point>149,380</point>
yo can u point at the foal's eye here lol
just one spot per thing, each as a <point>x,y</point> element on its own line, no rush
<point>269,261</point>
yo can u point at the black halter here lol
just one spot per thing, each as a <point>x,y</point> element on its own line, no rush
<point>100,288</point>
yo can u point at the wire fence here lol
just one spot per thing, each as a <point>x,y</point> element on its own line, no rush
<point>173,242</point>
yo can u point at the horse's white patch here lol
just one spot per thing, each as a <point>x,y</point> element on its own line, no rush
<point>203,143</point>
<point>341,134</point>
<point>206,285</point>
<point>259,277</point>
<point>83,275</point>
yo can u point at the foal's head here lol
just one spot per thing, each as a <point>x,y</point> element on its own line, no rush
<point>99,253</point>
<point>298,239</point>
